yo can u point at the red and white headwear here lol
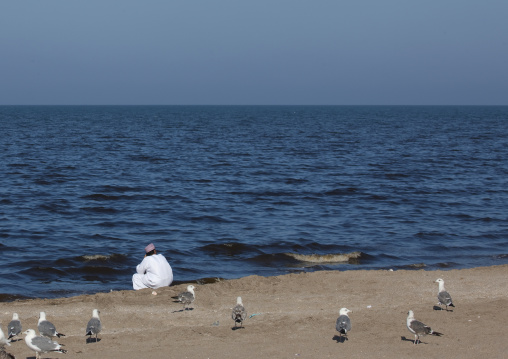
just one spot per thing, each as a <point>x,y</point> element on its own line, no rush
<point>149,248</point>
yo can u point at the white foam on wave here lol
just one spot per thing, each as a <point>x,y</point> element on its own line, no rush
<point>96,257</point>
<point>325,258</point>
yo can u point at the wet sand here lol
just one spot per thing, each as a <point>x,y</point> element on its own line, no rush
<point>294,317</point>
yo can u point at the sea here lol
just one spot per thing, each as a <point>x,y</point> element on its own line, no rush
<point>231,191</point>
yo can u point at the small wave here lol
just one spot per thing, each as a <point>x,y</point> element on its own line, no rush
<point>326,258</point>
<point>446,265</point>
<point>417,265</point>
<point>4,297</point>
<point>101,257</point>
<point>100,197</point>
<point>95,257</point>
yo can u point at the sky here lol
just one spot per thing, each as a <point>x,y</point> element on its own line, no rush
<point>263,52</point>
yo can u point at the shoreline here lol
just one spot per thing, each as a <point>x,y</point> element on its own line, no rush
<point>10,297</point>
<point>294,316</point>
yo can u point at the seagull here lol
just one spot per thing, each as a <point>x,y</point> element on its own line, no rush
<point>418,328</point>
<point>443,296</point>
<point>186,297</point>
<point>239,313</point>
<point>47,328</point>
<point>343,324</point>
<point>41,344</point>
<point>3,339</point>
<point>14,326</point>
<point>94,325</point>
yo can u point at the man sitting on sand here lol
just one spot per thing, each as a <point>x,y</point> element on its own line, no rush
<point>153,272</point>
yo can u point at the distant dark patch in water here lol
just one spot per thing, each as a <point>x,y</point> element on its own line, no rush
<point>229,249</point>
<point>121,189</point>
<point>99,209</point>
<point>213,219</point>
<point>100,197</point>
<point>295,181</point>
<point>342,191</point>
<point>395,176</point>
<point>99,270</point>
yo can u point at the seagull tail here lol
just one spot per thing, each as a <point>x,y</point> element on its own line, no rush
<point>343,331</point>
<point>451,305</point>
<point>63,351</point>
<point>60,335</point>
<point>11,336</point>
<point>437,334</point>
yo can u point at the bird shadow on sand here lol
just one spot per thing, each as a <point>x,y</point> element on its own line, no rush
<point>182,310</point>
<point>410,340</point>
<point>437,307</point>
<point>92,340</point>
<point>340,339</point>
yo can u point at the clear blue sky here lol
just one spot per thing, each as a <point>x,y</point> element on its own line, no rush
<point>254,52</point>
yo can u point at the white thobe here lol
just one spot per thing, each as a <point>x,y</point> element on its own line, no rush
<point>153,272</point>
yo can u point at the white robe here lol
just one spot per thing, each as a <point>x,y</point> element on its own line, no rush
<point>153,272</point>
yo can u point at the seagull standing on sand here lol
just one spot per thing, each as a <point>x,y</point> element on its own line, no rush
<point>47,328</point>
<point>3,339</point>
<point>443,296</point>
<point>94,325</point>
<point>239,313</point>
<point>343,324</point>
<point>187,297</point>
<point>14,327</point>
<point>418,328</point>
<point>41,344</point>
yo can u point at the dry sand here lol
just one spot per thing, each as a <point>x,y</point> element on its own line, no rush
<point>295,317</point>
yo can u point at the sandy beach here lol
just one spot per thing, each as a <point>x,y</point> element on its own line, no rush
<point>293,317</point>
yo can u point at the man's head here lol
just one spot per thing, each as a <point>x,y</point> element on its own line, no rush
<point>150,249</point>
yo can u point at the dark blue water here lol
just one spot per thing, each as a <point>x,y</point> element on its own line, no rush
<point>232,191</point>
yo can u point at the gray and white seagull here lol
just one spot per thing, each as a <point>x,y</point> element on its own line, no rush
<point>239,313</point>
<point>47,328</point>
<point>343,324</point>
<point>418,328</point>
<point>94,325</point>
<point>14,326</point>
<point>443,297</point>
<point>187,297</point>
<point>41,344</point>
